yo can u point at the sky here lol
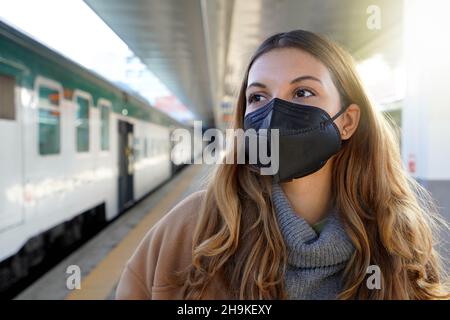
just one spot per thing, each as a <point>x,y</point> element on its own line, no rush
<point>74,30</point>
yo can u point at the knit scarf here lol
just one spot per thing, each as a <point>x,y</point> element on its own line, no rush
<point>315,262</point>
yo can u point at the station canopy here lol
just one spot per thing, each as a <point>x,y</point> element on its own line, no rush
<point>200,48</point>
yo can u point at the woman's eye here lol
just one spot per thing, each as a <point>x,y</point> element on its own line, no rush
<point>255,98</point>
<point>304,93</point>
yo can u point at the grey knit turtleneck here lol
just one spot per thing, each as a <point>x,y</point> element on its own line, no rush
<point>315,263</point>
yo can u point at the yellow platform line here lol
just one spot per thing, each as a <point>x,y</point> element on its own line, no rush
<point>100,282</point>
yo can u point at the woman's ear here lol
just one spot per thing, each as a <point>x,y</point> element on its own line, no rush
<point>350,121</point>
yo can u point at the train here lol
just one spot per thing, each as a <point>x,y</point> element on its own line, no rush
<point>76,150</point>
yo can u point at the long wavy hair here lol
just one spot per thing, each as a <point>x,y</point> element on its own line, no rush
<point>389,217</point>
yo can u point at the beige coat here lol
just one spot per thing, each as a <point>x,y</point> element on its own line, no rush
<point>165,248</point>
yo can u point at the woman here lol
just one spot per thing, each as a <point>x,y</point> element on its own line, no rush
<point>320,227</point>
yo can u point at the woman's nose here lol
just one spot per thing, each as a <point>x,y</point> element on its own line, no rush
<point>280,95</point>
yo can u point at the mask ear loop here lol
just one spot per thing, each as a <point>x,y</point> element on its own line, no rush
<point>340,112</point>
<point>337,115</point>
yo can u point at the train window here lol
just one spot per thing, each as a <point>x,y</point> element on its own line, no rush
<point>104,127</point>
<point>82,124</point>
<point>49,121</point>
<point>7,106</point>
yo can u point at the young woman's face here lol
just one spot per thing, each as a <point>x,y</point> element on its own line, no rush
<point>293,75</point>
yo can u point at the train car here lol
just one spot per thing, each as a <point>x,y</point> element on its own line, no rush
<point>75,151</point>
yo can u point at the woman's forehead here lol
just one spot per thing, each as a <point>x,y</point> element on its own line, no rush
<point>285,64</point>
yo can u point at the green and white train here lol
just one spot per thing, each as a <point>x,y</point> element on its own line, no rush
<point>75,151</point>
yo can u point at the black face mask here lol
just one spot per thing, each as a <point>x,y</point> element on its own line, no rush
<point>308,136</point>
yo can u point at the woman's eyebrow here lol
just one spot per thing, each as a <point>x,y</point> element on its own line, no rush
<point>298,79</point>
<point>256,84</point>
<point>301,78</point>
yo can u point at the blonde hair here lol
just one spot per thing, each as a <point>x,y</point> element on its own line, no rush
<point>389,217</point>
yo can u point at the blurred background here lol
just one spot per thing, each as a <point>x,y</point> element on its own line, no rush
<point>91,90</point>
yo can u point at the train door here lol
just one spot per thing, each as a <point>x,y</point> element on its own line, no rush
<point>126,165</point>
